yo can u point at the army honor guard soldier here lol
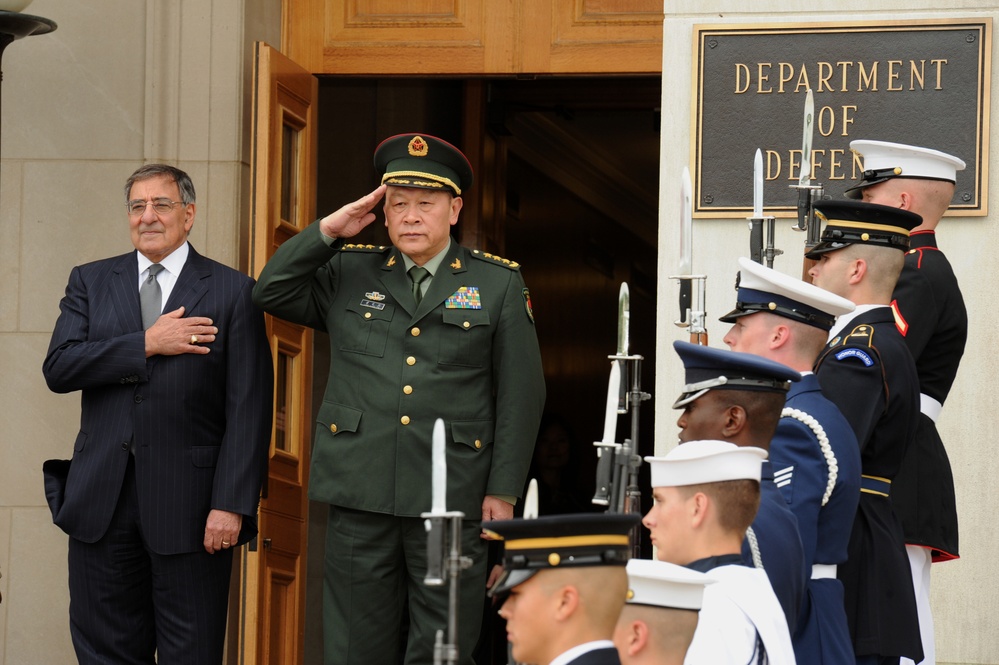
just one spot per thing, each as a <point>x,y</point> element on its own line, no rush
<point>563,585</point>
<point>867,371</point>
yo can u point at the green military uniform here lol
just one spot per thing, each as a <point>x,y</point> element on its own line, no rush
<point>468,354</point>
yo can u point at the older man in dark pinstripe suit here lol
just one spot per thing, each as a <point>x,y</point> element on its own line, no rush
<point>175,427</point>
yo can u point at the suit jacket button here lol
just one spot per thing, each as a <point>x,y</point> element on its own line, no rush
<point>478,444</point>
<point>333,428</point>
<point>138,399</point>
<point>411,361</point>
<point>466,324</point>
<point>408,390</point>
<point>404,420</point>
<point>415,332</point>
<point>124,445</point>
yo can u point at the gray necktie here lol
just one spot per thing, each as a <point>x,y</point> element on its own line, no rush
<point>151,297</point>
<point>418,274</point>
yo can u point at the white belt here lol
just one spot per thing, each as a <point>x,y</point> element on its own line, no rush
<point>929,407</point>
<point>824,571</point>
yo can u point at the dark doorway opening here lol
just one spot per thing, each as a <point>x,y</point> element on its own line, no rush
<point>579,181</point>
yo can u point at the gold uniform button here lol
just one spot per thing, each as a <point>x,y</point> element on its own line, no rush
<point>415,332</point>
<point>404,420</point>
<point>466,324</point>
<point>333,428</point>
<point>408,390</point>
<point>367,315</point>
<point>478,444</point>
<point>411,361</point>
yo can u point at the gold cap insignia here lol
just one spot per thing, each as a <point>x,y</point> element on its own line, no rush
<point>554,559</point>
<point>418,147</point>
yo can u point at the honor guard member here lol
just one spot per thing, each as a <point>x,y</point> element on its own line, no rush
<point>658,622</point>
<point>706,494</point>
<point>420,330</point>
<point>930,314</point>
<point>738,397</point>
<point>814,452</point>
<point>867,371</point>
<point>563,585</point>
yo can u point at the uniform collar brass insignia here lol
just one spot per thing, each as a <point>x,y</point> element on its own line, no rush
<point>456,264</point>
<point>391,262</point>
<point>418,147</point>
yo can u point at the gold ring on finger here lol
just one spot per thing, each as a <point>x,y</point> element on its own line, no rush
<point>194,339</point>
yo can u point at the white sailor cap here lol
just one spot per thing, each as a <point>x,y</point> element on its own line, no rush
<point>663,584</point>
<point>884,160</point>
<point>697,462</point>
<point>762,289</point>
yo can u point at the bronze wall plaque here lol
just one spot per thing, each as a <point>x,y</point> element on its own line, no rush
<point>924,83</point>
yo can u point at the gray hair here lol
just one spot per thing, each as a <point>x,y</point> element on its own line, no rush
<point>183,180</point>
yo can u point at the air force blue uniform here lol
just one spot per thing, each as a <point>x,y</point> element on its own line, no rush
<point>817,463</point>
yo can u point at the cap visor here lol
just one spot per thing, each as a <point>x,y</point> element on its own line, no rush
<point>508,580</point>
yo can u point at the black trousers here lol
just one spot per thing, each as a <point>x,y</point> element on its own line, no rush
<point>130,605</point>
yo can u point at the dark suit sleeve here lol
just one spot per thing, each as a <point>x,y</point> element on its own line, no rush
<point>296,285</point>
<point>242,462</point>
<point>520,392</point>
<point>75,361</point>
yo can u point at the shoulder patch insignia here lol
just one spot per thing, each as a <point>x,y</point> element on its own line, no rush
<point>527,304</point>
<point>497,260</point>
<point>846,354</point>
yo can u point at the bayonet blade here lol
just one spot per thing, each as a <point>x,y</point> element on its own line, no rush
<point>686,224</point>
<point>808,126</point>
<point>623,319</point>
<point>758,184</point>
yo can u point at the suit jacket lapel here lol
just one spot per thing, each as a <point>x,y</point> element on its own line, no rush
<point>125,292</point>
<point>192,284</point>
<point>396,281</point>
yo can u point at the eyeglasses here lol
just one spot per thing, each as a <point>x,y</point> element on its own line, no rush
<point>160,206</point>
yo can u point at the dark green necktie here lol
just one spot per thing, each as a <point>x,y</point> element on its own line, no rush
<point>417,275</point>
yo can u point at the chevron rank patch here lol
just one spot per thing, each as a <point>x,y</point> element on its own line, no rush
<point>783,476</point>
<point>846,354</point>
<point>467,297</point>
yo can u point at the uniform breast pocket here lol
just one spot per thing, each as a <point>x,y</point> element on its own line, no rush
<point>365,329</point>
<point>466,338</point>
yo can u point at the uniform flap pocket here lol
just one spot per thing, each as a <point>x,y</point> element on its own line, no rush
<point>466,318</point>
<point>205,456</point>
<point>475,434</point>
<point>339,417</point>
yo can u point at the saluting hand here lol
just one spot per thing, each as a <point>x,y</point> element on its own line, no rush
<point>351,218</point>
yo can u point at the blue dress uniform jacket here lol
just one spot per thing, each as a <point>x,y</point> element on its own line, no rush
<point>820,480</point>
<point>868,372</point>
<point>469,357</point>
<point>933,320</point>
<point>778,547</point>
<point>200,424</point>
